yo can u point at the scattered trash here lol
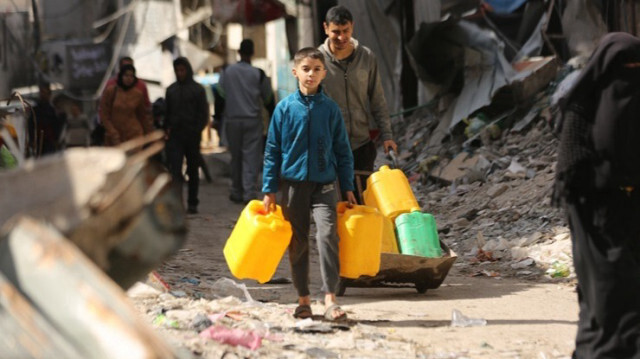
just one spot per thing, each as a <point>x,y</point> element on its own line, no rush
<point>475,124</point>
<point>178,293</point>
<point>162,320</point>
<point>491,274</point>
<point>154,280</point>
<point>200,322</point>
<point>142,290</point>
<point>308,325</point>
<point>248,339</point>
<point>460,320</point>
<point>516,167</point>
<point>558,270</point>
<point>225,287</point>
<point>193,281</point>
<point>484,256</point>
<point>316,352</point>
<point>523,263</point>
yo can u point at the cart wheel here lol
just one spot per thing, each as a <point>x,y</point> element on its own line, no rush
<point>342,287</point>
<point>421,287</point>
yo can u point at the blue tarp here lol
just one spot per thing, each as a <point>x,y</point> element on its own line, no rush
<point>505,6</point>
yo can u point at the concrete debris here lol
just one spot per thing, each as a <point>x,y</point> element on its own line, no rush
<point>504,216</point>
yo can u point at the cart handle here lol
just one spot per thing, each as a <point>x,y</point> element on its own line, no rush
<point>394,158</point>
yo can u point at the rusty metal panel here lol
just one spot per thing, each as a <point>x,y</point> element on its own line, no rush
<point>80,301</point>
<point>25,332</point>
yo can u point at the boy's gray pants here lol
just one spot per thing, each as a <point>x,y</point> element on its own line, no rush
<point>244,140</point>
<point>298,200</point>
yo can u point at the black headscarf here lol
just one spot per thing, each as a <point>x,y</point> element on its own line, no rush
<point>601,125</point>
<point>123,69</point>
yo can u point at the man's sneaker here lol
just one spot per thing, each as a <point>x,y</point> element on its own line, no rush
<point>192,210</point>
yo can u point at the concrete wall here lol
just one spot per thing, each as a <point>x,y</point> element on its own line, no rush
<point>15,52</point>
<point>63,19</point>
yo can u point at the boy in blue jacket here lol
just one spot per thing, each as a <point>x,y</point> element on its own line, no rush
<point>307,149</point>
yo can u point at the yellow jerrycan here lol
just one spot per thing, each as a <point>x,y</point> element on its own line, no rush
<point>257,243</point>
<point>389,241</point>
<point>360,232</point>
<point>390,192</point>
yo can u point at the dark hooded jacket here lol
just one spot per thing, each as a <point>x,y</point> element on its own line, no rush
<point>600,132</point>
<point>187,109</point>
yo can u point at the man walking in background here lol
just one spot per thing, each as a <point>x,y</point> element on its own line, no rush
<point>245,90</point>
<point>354,83</point>
<point>187,114</point>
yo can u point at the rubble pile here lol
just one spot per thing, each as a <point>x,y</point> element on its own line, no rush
<point>491,201</point>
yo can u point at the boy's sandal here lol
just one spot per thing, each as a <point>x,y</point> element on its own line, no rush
<point>335,314</point>
<point>303,311</point>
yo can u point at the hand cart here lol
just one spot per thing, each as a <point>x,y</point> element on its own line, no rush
<point>395,269</point>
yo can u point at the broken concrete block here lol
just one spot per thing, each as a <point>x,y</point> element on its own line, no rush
<point>457,168</point>
<point>497,190</point>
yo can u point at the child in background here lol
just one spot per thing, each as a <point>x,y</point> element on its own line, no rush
<point>307,149</point>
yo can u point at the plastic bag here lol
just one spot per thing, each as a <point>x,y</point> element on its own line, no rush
<point>460,320</point>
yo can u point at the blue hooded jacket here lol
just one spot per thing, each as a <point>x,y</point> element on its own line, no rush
<point>307,141</point>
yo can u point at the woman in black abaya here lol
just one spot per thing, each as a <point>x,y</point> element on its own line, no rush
<point>598,183</point>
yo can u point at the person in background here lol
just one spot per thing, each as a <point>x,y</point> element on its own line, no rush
<point>218,118</point>
<point>123,111</point>
<point>354,83</point>
<point>140,85</point>
<point>45,124</point>
<point>186,115</point>
<point>77,130</point>
<point>245,89</point>
<point>598,185</point>
<point>307,149</point>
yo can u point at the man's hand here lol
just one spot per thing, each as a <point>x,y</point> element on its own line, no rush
<point>269,202</point>
<point>351,199</point>
<point>390,144</point>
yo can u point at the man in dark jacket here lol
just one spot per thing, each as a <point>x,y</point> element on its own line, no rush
<point>187,113</point>
<point>45,124</point>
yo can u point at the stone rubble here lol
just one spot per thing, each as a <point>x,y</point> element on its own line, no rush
<point>500,207</point>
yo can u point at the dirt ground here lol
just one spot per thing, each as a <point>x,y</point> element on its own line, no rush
<point>525,318</point>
